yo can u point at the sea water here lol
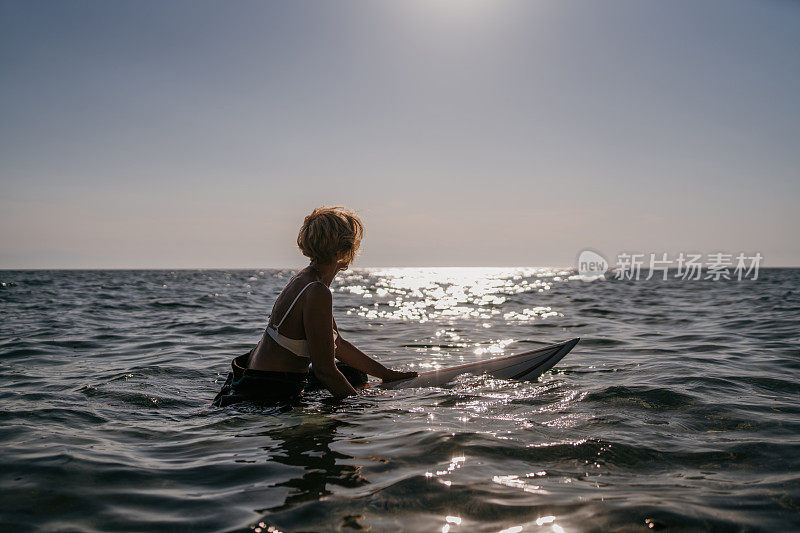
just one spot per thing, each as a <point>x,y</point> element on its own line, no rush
<point>679,409</point>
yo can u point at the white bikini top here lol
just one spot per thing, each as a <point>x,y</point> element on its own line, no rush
<point>296,346</point>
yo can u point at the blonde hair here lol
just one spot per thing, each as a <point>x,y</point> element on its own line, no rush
<point>329,232</point>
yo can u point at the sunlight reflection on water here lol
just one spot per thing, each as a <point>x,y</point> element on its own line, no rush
<point>423,294</point>
<point>475,299</point>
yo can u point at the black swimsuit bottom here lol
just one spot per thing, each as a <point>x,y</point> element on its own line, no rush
<point>267,386</point>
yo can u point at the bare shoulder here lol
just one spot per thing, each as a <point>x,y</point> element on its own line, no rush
<point>318,294</point>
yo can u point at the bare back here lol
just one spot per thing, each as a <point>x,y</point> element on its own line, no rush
<point>269,355</point>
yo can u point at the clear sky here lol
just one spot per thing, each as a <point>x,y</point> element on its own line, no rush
<point>465,132</point>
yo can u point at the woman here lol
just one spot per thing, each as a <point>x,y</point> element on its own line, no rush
<point>301,330</point>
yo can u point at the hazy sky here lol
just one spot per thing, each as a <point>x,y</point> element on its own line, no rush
<point>465,132</point>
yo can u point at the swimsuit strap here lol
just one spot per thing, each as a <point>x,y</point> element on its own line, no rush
<point>292,305</point>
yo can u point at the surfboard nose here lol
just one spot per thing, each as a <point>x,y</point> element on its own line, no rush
<point>572,342</point>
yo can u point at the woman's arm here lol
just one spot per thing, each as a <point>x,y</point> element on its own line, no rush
<point>317,319</point>
<point>350,355</point>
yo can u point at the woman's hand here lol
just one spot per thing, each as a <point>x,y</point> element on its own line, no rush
<point>396,375</point>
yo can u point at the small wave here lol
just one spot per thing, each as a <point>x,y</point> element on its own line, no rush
<point>69,416</point>
<point>27,352</point>
<point>74,344</point>
<point>641,396</point>
<point>134,398</point>
<point>599,341</point>
<point>174,305</point>
<point>771,385</point>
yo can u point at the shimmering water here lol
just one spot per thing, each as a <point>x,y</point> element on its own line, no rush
<point>679,409</point>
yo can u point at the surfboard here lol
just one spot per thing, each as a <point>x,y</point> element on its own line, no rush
<point>522,366</point>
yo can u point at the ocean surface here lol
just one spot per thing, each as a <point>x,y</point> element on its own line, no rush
<point>679,410</point>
